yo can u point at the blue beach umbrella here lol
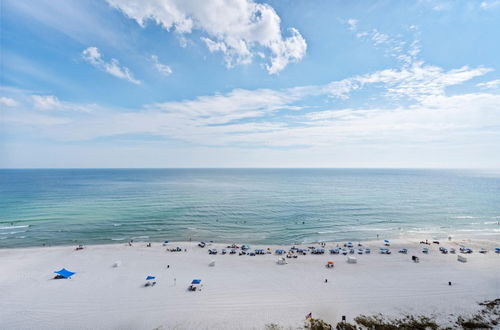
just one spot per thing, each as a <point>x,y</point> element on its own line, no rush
<point>65,273</point>
<point>196,282</point>
<point>150,278</point>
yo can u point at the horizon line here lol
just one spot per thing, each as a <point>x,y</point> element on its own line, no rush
<point>247,168</point>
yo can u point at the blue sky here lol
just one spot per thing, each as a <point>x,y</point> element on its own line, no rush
<point>164,83</point>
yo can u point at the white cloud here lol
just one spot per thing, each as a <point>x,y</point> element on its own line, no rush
<point>415,82</point>
<point>489,4</point>
<point>403,51</point>
<point>352,23</point>
<point>93,56</point>
<point>162,68</point>
<point>225,108</point>
<point>239,29</point>
<point>51,102</point>
<point>48,102</point>
<point>493,84</point>
<point>8,102</point>
<point>379,38</point>
<point>265,118</point>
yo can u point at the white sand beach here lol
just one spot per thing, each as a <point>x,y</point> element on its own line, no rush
<point>239,292</point>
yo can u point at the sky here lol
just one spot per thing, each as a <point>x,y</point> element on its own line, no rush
<point>243,83</point>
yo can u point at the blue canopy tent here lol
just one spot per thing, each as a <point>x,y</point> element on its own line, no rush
<point>65,273</point>
<point>148,279</point>
<point>195,285</point>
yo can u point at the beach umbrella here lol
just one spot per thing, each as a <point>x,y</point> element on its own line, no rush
<point>150,278</point>
<point>65,273</point>
<point>195,281</point>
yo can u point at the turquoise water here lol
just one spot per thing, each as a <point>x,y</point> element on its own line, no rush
<point>244,205</point>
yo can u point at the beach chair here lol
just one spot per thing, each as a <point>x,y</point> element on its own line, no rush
<point>281,261</point>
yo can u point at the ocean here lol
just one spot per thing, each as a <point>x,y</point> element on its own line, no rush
<point>280,206</point>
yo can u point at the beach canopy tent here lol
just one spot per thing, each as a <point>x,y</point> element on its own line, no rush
<point>150,278</point>
<point>195,285</point>
<point>65,273</point>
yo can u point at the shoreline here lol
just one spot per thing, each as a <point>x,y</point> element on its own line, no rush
<point>454,242</point>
